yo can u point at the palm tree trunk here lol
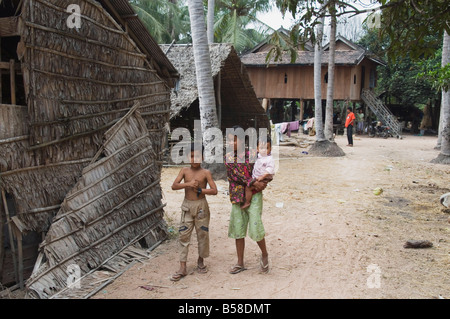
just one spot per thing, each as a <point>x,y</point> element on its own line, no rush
<point>331,67</point>
<point>324,144</point>
<point>320,136</point>
<point>205,85</point>
<point>210,19</point>
<point>444,123</point>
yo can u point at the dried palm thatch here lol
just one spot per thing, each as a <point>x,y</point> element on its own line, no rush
<point>38,188</point>
<point>116,201</point>
<point>94,281</point>
<point>85,78</point>
<point>78,82</point>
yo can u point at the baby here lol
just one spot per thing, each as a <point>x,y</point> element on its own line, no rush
<point>263,170</point>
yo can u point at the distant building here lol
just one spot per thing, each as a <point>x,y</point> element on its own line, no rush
<point>285,81</point>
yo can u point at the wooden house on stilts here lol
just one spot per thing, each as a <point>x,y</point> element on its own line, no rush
<point>278,82</point>
<point>84,99</point>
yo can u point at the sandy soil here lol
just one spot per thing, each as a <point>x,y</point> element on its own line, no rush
<point>332,237</point>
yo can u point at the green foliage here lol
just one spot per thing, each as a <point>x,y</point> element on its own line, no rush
<point>281,43</point>
<point>166,21</point>
<point>432,71</point>
<point>236,23</point>
<point>412,26</point>
<point>403,78</point>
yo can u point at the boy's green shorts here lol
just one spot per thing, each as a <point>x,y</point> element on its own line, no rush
<point>249,218</point>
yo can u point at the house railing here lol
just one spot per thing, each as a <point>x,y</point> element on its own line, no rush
<point>382,112</point>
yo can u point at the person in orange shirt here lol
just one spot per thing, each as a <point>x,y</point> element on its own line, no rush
<point>349,122</point>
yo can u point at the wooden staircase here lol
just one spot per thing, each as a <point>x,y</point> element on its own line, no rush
<point>382,112</point>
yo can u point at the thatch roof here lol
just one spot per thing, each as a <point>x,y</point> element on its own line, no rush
<point>116,201</point>
<point>350,54</point>
<point>122,11</point>
<point>78,83</point>
<point>238,99</point>
<point>303,58</point>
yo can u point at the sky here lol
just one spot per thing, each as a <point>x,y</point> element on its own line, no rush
<point>275,20</point>
<point>351,29</point>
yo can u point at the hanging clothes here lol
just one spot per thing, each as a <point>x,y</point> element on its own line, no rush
<point>278,133</point>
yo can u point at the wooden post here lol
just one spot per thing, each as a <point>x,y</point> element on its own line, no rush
<point>264,104</point>
<point>11,240</point>
<point>12,75</point>
<point>2,244</point>
<point>1,72</point>
<point>19,228</point>
<point>302,109</point>
<point>18,235</point>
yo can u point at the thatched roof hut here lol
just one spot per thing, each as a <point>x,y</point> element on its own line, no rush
<point>77,84</point>
<point>236,100</point>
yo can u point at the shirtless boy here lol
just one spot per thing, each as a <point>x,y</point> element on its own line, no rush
<point>194,212</point>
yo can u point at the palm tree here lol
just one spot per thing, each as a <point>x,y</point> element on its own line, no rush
<point>205,85</point>
<point>331,67</point>
<point>324,144</point>
<point>320,136</point>
<point>444,123</point>
<point>210,20</point>
<point>236,22</point>
<point>166,20</point>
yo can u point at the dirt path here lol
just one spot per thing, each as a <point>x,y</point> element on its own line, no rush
<point>332,237</point>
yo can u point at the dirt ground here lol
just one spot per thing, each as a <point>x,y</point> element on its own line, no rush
<point>328,235</point>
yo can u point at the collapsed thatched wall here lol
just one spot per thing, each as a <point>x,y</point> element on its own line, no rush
<point>116,201</point>
<point>38,189</point>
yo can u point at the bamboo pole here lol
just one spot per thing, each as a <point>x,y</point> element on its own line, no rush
<point>139,97</point>
<point>155,183</point>
<point>11,239</point>
<point>71,137</point>
<point>14,139</point>
<point>92,61</point>
<point>91,115</point>
<point>77,78</point>
<point>84,39</point>
<point>31,168</point>
<point>12,75</point>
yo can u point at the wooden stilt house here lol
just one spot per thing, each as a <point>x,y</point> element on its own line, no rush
<point>282,81</point>
<point>69,76</point>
